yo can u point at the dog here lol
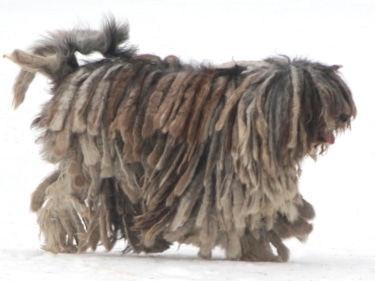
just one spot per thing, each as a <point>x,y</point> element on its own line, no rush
<point>156,151</point>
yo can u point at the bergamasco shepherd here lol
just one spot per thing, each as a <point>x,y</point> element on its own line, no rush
<point>155,151</point>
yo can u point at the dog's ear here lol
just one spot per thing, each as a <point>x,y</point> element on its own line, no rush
<point>335,67</point>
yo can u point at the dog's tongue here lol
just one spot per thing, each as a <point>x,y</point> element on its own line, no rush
<point>329,137</point>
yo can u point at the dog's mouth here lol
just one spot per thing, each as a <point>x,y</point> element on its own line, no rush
<point>327,137</point>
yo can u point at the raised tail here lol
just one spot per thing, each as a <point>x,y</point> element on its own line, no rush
<point>55,55</point>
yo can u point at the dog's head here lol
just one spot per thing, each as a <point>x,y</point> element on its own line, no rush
<point>303,105</point>
<point>327,106</point>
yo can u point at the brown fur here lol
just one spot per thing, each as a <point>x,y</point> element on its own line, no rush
<point>156,151</point>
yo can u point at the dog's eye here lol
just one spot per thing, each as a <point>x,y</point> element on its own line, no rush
<point>343,117</point>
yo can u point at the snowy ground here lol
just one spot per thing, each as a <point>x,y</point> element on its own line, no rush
<point>341,185</point>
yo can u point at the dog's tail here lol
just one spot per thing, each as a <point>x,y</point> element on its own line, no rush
<point>55,55</point>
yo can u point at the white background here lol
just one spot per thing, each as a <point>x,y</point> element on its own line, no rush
<point>341,185</point>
